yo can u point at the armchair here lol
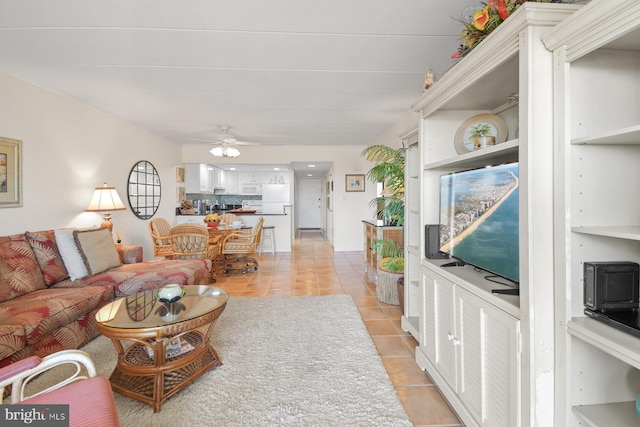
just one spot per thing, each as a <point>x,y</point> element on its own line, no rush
<point>89,396</point>
<point>236,249</point>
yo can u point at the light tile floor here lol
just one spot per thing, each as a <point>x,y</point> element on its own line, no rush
<point>313,268</point>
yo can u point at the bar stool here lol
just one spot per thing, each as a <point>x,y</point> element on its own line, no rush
<point>268,232</point>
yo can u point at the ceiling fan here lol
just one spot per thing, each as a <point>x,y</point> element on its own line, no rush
<point>225,143</point>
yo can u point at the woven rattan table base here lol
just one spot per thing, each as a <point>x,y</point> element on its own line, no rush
<point>137,377</point>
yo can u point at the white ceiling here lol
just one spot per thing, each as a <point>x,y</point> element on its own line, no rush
<point>278,72</point>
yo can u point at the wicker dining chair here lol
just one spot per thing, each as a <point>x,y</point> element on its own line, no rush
<point>159,230</point>
<point>237,248</point>
<point>228,218</point>
<point>191,241</point>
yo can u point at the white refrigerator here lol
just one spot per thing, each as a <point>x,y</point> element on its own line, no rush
<point>274,198</point>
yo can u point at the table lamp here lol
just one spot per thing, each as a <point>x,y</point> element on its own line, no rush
<point>105,199</point>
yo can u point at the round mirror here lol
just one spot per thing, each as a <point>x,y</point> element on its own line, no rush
<point>143,190</point>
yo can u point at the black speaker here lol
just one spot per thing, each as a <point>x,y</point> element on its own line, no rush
<point>432,242</point>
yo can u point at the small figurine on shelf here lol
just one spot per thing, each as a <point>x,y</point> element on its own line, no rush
<point>429,79</point>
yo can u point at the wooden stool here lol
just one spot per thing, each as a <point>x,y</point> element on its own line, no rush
<point>268,232</point>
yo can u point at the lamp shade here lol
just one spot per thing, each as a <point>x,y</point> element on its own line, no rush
<point>105,199</point>
<point>225,150</point>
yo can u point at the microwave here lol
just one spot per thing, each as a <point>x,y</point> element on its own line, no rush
<point>252,188</point>
<point>610,286</point>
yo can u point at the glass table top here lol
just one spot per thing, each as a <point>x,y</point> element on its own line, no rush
<point>144,310</point>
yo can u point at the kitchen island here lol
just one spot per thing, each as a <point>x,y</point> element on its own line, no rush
<point>282,223</point>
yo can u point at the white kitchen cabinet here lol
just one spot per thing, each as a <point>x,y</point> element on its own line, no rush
<point>472,347</point>
<point>231,182</point>
<point>218,177</point>
<point>597,152</point>
<point>197,178</point>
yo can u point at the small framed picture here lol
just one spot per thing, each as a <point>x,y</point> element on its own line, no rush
<point>354,182</point>
<point>10,173</point>
<point>179,174</point>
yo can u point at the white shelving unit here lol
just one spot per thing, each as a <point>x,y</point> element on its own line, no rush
<point>410,320</point>
<point>501,373</point>
<point>597,138</point>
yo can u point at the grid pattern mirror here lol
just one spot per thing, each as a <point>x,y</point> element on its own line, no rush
<point>143,189</point>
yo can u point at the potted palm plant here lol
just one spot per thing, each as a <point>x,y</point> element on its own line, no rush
<point>389,169</point>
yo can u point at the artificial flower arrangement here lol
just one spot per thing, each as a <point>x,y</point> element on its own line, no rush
<point>488,18</point>
<point>212,218</point>
<point>187,205</point>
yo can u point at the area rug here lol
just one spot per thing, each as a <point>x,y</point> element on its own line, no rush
<point>297,361</point>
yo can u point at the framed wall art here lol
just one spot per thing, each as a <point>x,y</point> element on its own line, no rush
<point>354,182</point>
<point>10,173</point>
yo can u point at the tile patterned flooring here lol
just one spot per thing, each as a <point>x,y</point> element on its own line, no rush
<point>313,268</point>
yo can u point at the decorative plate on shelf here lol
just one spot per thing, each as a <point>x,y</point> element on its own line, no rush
<point>463,141</point>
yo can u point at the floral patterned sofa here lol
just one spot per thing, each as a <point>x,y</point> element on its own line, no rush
<point>42,310</point>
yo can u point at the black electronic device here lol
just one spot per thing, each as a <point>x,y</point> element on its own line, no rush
<point>611,286</point>
<point>432,242</point>
<point>627,320</point>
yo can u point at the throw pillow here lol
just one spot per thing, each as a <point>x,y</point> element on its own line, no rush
<point>48,256</point>
<point>97,249</point>
<point>70,253</point>
<point>19,270</point>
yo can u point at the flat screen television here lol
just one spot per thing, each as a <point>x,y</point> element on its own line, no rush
<point>479,219</point>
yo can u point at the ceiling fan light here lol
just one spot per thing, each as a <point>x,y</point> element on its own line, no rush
<point>225,151</point>
<point>232,152</point>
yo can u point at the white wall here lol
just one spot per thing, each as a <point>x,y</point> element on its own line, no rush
<point>349,209</point>
<point>68,149</point>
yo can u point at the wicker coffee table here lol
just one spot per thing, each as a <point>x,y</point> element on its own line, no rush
<point>161,347</point>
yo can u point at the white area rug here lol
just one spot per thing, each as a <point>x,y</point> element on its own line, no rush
<point>299,361</point>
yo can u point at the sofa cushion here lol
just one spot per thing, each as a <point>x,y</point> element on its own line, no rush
<point>70,253</point>
<point>48,256</point>
<point>129,279</point>
<point>19,269</point>
<point>97,250</point>
<point>45,310</point>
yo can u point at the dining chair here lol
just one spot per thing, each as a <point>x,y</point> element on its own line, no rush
<point>229,218</point>
<point>159,230</point>
<point>191,241</point>
<point>237,248</point>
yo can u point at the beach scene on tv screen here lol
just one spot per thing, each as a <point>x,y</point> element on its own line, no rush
<point>479,218</point>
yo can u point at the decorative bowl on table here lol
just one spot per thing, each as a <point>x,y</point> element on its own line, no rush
<point>213,225</point>
<point>170,293</point>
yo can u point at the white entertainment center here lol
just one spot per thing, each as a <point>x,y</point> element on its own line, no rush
<point>534,360</point>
